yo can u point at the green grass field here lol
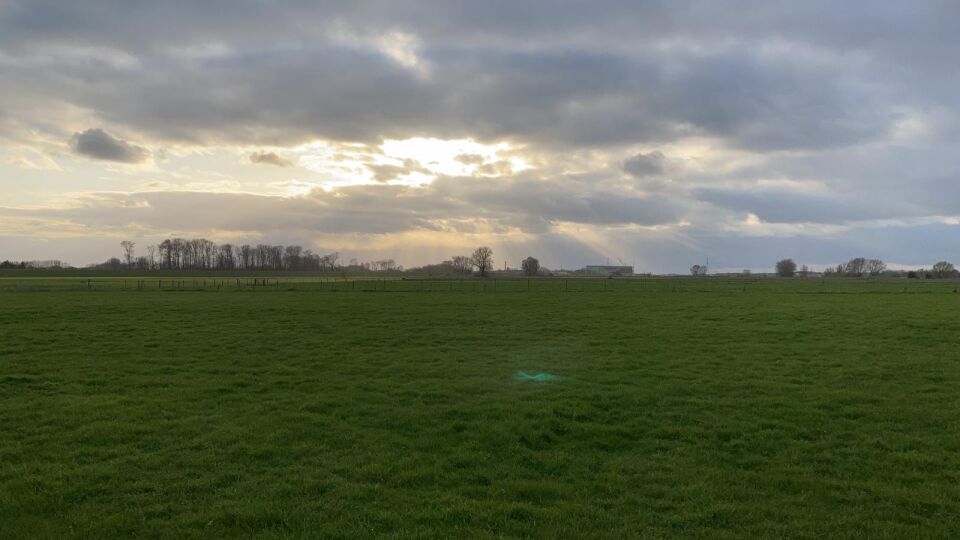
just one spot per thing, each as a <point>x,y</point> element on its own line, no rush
<point>682,408</point>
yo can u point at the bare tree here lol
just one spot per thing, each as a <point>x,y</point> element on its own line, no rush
<point>855,267</point>
<point>943,269</point>
<point>225,257</point>
<point>389,265</point>
<point>128,257</point>
<point>276,258</point>
<point>310,260</point>
<point>291,257</point>
<point>245,257</point>
<point>164,253</point>
<point>461,264</point>
<point>875,267</point>
<point>786,268</point>
<point>530,266</point>
<point>384,265</point>
<point>329,261</point>
<point>804,271</point>
<point>151,257</point>
<point>482,260</point>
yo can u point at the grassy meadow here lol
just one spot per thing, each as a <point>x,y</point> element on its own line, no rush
<point>335,409</point>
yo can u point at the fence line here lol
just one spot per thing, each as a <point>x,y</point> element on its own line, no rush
<point>474,285</point>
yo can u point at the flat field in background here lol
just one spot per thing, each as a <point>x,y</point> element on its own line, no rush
<point>685,407</point>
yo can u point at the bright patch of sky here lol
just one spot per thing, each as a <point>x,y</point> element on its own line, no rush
<point>414,162</point>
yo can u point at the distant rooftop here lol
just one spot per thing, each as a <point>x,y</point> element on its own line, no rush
<point>607,270</point>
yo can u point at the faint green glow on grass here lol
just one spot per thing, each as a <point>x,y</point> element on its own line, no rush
<point>539,377</point>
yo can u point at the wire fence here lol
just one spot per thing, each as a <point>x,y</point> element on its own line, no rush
<point>474,285</point>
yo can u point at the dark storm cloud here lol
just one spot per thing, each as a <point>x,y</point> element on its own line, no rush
<point>270,158</point>
<point>843,26</point>
<point>99,144</point>
<point>288,74</point>
<point>768,104</point>
<point>576,99</point>
<point>784,206</point>
<point>533,203</point>
<point>643,165</point>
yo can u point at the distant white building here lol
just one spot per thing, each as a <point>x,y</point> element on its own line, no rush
<point>605,270</point>
<point>44,264</point>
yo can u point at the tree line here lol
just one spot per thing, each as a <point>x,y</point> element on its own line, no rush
<point>863,267</point>
<point>203,254</point>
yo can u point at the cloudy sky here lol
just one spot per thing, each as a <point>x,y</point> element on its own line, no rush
<point>661,133</point>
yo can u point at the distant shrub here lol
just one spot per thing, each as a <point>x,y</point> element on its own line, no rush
<point>786,268</point>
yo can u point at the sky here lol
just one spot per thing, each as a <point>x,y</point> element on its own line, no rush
<point>661,133</point>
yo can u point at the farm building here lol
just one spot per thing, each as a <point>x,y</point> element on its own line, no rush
<point>603,270</point>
